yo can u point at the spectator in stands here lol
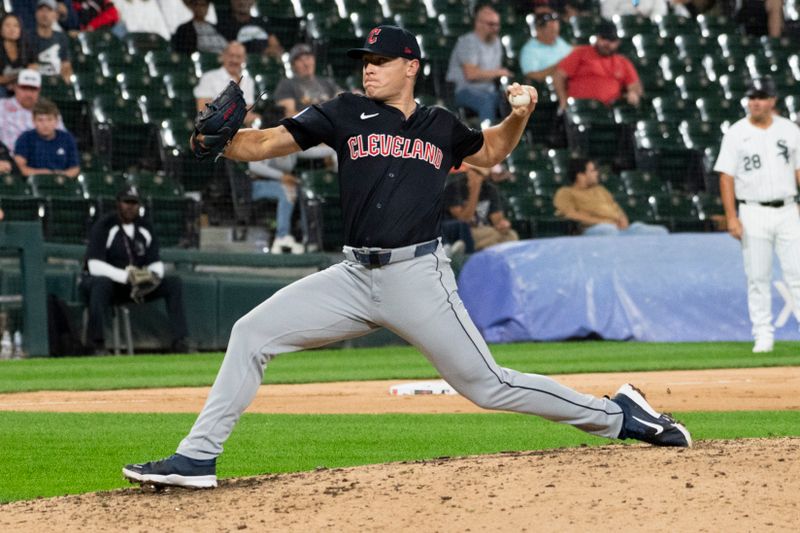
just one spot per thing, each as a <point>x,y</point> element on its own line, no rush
<point>598,72</point>
<point>51,47</point>
<point>254,33</point>
<point>95,14</point>
<point>590,204</point>
<point>16,112</point>
<point>47,149</point>
<point>275,179</point>
<point>15,52</point>
<point>647,8</point>
<point>198,35</point>
<point>68,18</point>
<point>476,65</point>
<point>117,242</point>
<point>305,88</point>
<point>760,17</point>
<point>540,55</point>
<point>471,197</point>
<point>6,160</point>
<point>214,81</point>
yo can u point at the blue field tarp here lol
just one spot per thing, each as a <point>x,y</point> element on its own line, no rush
<point>678,287</point>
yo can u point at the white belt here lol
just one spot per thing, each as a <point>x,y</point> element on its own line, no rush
<point>377,257</point>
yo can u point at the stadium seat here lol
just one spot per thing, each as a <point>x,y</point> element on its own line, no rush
<point>139,43</point>
<point>534,216</point>
<point>651,45</point>
<point>155,184</point>
<point>696,46</point>
<point>120,132</point>
<point>55,88</point>
<point>166,62</point>
<point>660,149</point>
<point>591,129</point>
<point>630,25</point>
<point>734,86</point>
<point>454,24</point>
<point>639,182</point>
<point>174,220</point>
<point>449,6</point>
<point>67,220</point>
<point>694,86</point>
<point>546,182</point>
<point>320,193</point>
<point>56,185</point>
<point>670,26</point>
<point>102,187</point>
<point>738,46</point>
<point>277,8</point>
<point>625,113</point>
<point>680,212</point>
<point>674,110</point>
<point>712,26</point>
<point>16,199</point>
<point>365,13</point>
<point>94,42</point>
<point>583,26</point>
<point>716,110</point>
<point>638,208</point>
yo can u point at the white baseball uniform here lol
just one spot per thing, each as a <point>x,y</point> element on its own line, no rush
<point>763,163</point>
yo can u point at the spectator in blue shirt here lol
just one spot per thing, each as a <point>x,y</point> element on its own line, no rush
<point>540,55</point>
<point>46,149</point>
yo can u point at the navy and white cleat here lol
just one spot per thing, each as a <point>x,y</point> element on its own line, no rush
<point>174,471</point>
<point>642,422</point>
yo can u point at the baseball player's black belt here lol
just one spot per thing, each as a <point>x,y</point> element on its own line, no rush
<point>378,257</point>
<point>773,203</point>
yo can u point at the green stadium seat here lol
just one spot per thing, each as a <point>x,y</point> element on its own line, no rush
<point>651,45</point>
<point>712,26</point>
<point>591,129</point>
<point>56,185</point>
<point>660,149</point>
<point>102,187</point>
<point>693,86</point>
<point>175,220</point>
<point>699,135</point>
<point>680,212</point>
<point>625,113</point>
<point>277,8</point>
<point>94,42</point>
<point>119,127</point>
<point>630,25</point>
<point>320,193</point>
<point>407,7</point>
<point>139,43</point>
<point>449,6</point>
<point>455,24</point>
<point>155,184</point>
<point>205,61</point>
<point>696,46</point>
<point>546,182</point>
<point>67,220</point>
<point>671,26</point>
<point>21,208</point>
<point>674,110</point>
<point>638,208</point>
<point>734,86</point>
<point>639,182</point>
<point>583,26</point>
<point>166,62</point>
<point>88,86</point>
<point>55,88</point>
<point>738,46</point>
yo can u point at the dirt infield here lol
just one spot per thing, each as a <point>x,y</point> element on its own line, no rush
<point>743,485</point>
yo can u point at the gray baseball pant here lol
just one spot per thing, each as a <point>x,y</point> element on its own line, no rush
<point>418,300</point>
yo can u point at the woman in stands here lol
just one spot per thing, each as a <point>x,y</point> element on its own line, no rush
<point>15,53</point>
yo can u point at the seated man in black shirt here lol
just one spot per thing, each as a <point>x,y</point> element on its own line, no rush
<point>118,242</point>
<point>254,33</point>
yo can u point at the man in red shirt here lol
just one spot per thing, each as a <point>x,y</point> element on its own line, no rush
<point>598,72</point>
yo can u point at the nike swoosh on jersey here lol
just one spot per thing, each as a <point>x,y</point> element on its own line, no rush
<point>364,116</point>
<point>659,429</point>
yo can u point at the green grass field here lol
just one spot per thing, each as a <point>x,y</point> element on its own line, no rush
<point>149,371</point>
<point>47,454</point>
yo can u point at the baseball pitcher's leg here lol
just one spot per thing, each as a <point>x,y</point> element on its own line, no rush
<point>322,308</point>
<point>420,303</point>
<point>757,250</point>
<point>787,246</point>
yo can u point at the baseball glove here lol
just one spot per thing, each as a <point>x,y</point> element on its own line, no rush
<point>219,122</point>
<point>142,282</point>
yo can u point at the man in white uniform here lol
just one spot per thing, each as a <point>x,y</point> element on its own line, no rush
<point>759,169</point>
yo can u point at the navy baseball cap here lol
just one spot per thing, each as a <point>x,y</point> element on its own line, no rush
<point>389,41</point>
<point>128,193</point>
<point>762,88</point>
<point>607,30</point>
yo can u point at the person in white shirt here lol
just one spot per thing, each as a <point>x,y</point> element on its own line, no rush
<point>759,166</point>
<point>214,81</point>
<point>648,8</point>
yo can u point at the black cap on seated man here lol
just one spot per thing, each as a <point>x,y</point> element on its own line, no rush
<point>389,41</point>
<point>762,88</point>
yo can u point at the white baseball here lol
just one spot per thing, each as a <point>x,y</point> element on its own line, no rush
<point>518,100</point>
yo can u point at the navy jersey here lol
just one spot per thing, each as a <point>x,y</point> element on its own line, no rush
<point>108,242</point>
<point>392,170</point>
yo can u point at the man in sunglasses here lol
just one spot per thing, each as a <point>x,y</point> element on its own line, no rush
<point>119,242</point>
<point>540,55</point>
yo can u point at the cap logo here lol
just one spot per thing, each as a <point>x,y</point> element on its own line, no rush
<point>407,50</point>
<point>373,36</point>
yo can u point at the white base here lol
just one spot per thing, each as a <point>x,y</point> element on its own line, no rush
<point>422,387</point>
